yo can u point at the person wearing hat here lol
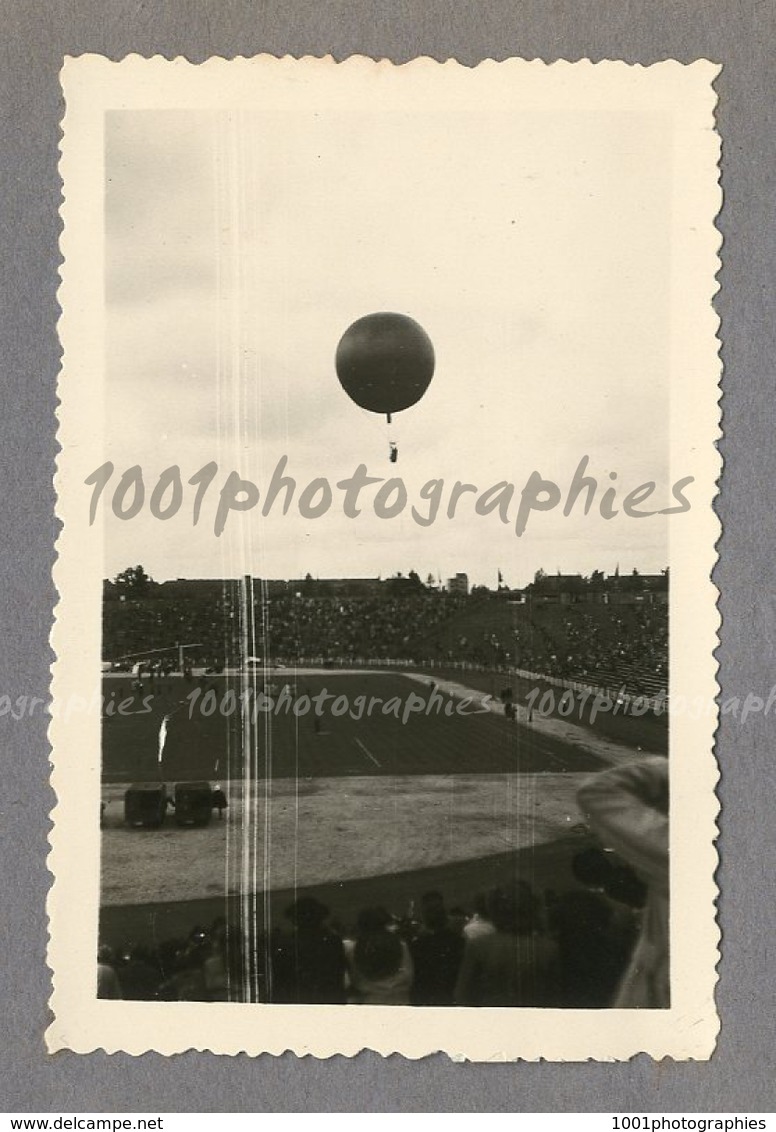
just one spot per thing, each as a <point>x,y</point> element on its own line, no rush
<point>380,964</point>
<point>627,807</point>
<point>309,961</point>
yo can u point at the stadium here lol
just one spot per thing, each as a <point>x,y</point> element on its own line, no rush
<point>325,780</point>
<point>298,771</point>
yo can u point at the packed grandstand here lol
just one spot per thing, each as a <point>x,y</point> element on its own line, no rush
<point>610,631</point>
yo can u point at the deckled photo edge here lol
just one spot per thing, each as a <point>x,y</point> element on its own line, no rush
<point>84,1026</point>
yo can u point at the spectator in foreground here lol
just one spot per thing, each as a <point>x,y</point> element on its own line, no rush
<point>381,969</point>
<point>138,977</point>
<point>627,808</point>
<point>215,967</point>
<point>515,964</point>
<point>457,919</point>
<point>436,953</point>
<point>594,938</point>
<point>479,924</point>
<point>309,963</point>
<point>108,985</point>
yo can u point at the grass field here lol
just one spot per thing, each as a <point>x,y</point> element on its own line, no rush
<point>648,731</point>
<point>206,731</point>
<point>362,806</point>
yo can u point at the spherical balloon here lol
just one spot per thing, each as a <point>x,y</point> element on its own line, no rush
<point>385,362</point>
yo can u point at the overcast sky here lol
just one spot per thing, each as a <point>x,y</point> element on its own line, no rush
<point>534,251</point>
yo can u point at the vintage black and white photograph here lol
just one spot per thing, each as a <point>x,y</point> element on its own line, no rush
<point>384,654</point>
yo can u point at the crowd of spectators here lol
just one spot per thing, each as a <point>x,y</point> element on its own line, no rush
<point>511,948</point>
<point>133,627</point>
<point>612,645</point>
<point>285,628</point>
<point>354,628</point>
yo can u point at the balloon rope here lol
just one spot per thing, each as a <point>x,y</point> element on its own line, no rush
<point>375,424</point>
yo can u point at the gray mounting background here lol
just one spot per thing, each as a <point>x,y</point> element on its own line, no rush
<point>36,35</point>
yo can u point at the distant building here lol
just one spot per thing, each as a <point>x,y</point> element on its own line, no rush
<point>559,589</point>
<point>459,584</point>
<point>317,587</point>
<point>198,589</point>
<point>338,587</point>
<point>637,589</point>
<point>616,589</point>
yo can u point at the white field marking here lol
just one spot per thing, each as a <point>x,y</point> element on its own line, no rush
<point>366,751</point>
